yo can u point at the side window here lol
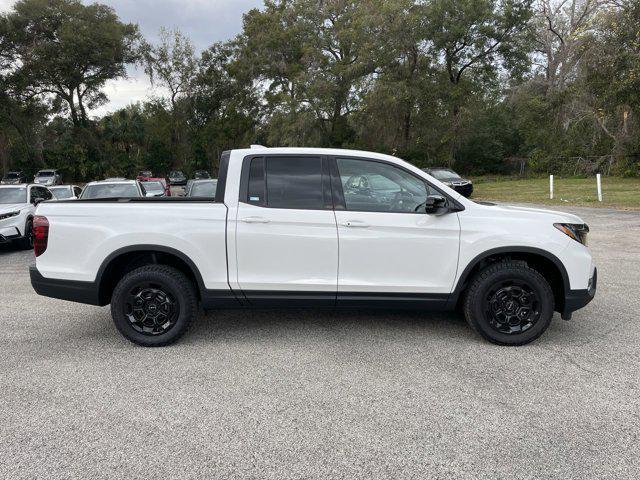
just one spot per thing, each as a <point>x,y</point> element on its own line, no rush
<point>294,182</point>
<point>371,186</point>
<point>77,191</point>
<point>46,194</point>
<point>286,182</point>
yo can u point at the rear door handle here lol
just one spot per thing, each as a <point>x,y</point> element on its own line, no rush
<point>255,220</point>
<point>355,224</point>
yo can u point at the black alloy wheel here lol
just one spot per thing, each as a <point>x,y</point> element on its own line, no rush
<point>154,305</point>
<point>151,310</point>
<point>512,307</point>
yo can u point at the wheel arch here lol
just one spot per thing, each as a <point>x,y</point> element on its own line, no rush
<point>126,259</point>
<point>543,261</point>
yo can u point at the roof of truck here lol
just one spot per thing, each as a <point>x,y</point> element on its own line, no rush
<point>338,152</point>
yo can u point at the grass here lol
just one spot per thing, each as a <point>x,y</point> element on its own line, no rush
<point>617,192</point>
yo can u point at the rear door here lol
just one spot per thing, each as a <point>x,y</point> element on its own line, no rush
<point>286,237</point>
<point>388,244</point>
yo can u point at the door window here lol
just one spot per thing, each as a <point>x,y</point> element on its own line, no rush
<point>286,182</point>
<point>371,186</point>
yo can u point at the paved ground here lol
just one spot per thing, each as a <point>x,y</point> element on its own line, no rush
<point>291,394</point>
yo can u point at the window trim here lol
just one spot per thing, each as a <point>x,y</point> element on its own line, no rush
<point>327,194</point>
<point>338,197</point>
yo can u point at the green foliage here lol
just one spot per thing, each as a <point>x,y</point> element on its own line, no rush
<point>484,84</point>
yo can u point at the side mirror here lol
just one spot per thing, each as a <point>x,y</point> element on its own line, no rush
<point>435,205</point>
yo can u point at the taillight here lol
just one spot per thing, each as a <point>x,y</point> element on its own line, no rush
<point>40,234</point>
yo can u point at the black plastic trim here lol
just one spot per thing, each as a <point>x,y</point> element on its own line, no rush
<point>577,299</point>
<point>147,248</point>
<point>401,300</point>
<point>212,299</point>
<point>74,291</point>
<point>346,300</point>
<point>221,187</point>
<point>289,299</point>
<point>455,295</point>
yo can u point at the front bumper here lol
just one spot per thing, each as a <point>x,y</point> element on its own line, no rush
<point>576,299</point>
<point>8,234</point>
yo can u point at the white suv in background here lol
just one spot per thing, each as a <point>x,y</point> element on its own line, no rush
<point>17,207</point>
<point>48,177</point>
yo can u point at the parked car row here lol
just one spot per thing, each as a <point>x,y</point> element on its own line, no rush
<point>45,177</point>
<point>18,201</point>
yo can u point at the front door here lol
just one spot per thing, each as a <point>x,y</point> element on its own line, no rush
<point>388,244</point>
<point>286,237</point>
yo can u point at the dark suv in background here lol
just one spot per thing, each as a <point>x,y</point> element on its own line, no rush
<point>14,178</point>
<point>451,179</point>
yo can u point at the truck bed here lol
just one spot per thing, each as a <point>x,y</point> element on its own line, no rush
<point>90,231</point>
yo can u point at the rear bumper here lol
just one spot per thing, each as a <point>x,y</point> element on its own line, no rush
<point>74,291</point>
<point>576,299</point>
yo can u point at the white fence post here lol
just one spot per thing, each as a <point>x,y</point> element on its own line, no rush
<point>551,187</point>
<point>599,183</point>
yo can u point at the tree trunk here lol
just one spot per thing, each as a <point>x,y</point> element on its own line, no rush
<point>455,131</point>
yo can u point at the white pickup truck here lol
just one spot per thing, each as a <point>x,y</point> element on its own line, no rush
<point>310,227</point>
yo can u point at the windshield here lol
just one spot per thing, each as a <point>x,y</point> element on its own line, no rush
<point>153,187</point>
<point>202,174</point>
<point>145,173</point>
<point>203,189</point>
<point>45,173</point>
<point>444,174</point>
<point>110,190</point>
<point>176,174</point>
<point>61,192</point>
<point>13,195</point>
<point>12,175</point>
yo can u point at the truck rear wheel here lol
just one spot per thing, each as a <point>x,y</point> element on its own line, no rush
<point>154,305</point>
<point>509,303</point>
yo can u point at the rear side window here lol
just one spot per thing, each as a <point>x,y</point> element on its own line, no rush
<point>286,182</point>
<point>294,182</point>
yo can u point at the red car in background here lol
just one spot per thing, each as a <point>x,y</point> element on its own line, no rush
<point>145,176</point>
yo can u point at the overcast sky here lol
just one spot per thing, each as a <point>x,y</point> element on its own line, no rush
<point>204,21</point>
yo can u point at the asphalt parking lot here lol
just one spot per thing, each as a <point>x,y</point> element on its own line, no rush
<point>319,394</point>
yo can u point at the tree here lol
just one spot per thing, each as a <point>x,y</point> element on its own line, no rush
<point>477,38</point>
<point>64,52</point>
<point>172,64</point>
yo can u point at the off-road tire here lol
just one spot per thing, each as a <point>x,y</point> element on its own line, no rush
<point>475,308</point>
<point>178,289</point>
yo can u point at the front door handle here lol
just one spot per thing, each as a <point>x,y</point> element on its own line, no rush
<point>355,224</point>
<point>255,220</point>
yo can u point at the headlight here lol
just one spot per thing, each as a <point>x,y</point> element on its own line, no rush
<point>4,216</point>
<point>577,231</point>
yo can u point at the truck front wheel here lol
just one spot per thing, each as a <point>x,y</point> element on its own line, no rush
<point>509,303</point>
<point>154,305</point>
